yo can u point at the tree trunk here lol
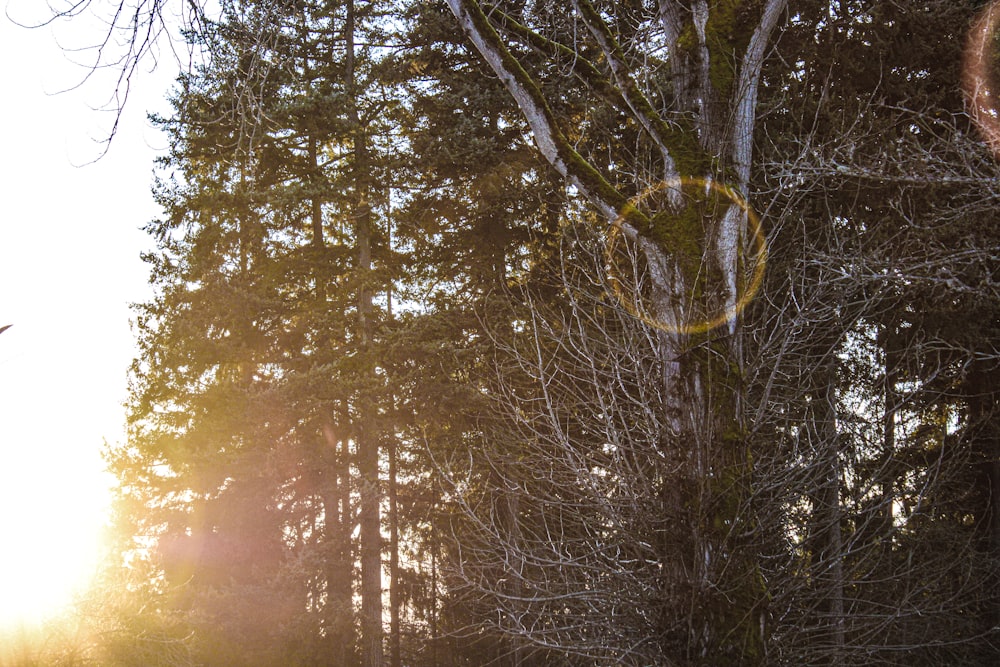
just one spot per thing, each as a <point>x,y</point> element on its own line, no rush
<point>984,429</point>
<point>827,550</point>
<point>395,645</point>
<point>338,611</point>
<point>366,433</point>
<point>891,398</point>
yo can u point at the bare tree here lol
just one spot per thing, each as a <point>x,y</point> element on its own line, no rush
<point>685,79</point>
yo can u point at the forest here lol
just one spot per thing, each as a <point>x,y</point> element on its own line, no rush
<point>564,333</point>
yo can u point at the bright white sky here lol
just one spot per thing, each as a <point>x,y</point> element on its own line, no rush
<point>70,240</point>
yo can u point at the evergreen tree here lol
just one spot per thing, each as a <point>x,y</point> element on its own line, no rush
<point>259,397</point>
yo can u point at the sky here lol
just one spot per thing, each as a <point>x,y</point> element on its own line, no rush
<point>70,244</point>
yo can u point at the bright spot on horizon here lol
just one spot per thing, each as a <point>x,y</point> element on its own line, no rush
<point>70,239</point>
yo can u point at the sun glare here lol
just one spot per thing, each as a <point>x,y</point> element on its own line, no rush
<point>52,516</point>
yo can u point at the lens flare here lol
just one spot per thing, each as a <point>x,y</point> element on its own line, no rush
<point>710,322</point>
<point>978,74</point>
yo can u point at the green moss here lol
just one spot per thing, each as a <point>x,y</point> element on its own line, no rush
<point>683,234</point>
<point>724,40</point>
<point>680,234</point>
<point>733,434</point>
<point>689,157</point>
<point>687,40</point>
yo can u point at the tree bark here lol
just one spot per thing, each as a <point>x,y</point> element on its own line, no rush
<point>828,550</point>
<point>395,644</point>
<point>366,433</point>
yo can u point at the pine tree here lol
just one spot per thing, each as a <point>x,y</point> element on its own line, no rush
<point>259,397</point>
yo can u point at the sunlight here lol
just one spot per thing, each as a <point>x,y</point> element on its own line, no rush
<point>63,362</point>
<point>53,512</point>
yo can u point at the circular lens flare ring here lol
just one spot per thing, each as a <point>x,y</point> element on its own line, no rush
<point>727,315</point>
<point>976,76</point>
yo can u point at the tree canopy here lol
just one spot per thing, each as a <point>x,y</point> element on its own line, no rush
<point>565,333</point>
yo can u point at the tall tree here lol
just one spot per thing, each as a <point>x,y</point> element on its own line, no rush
<point>693,112</point>
<point>272,280</point>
